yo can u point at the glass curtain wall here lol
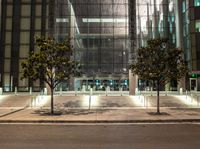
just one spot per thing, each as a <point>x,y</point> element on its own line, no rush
<point>155,18</point>
<point>99,29</point>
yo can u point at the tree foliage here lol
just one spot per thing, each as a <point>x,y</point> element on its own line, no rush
<point>159,63</point>
<point>52,64</point>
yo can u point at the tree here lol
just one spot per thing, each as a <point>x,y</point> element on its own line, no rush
<point>159,63</point>
<point>52,64</point>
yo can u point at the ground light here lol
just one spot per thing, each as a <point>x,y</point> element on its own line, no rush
<point>39,101</point>
<point>92,101</point>
<point>188,100</point>
<point>3,98</point>
<point>140,101</point>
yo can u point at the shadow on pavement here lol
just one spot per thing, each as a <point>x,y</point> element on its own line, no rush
<point>46,112</point>
<point>158,114</point>
<point>12,112</point>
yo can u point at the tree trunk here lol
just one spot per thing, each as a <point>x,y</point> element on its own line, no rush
<point>52,110</point>
<point>158,97</point>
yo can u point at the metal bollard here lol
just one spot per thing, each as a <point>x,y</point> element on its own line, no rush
<point>181,91</point>
<point>60,91</point>
<point>15,91</point>
<point>1,91</point>
<point>30,90</point>
<point>75,92</point>
<point>186,94</point>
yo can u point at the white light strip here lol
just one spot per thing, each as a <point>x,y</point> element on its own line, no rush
<point>62,20</point>
<point>104,20</point>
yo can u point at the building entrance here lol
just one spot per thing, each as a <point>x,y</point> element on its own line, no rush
<point>193,84</point>
<point>101,84</point>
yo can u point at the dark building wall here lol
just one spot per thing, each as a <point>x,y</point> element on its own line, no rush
<point>21,20</point>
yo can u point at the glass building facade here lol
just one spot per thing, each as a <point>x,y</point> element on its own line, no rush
<point>104,34</point>
<point>156,18</point>
<point>100,37</point>
<point>99,33</point>
<point>190,12</point>
<point>191,32</point>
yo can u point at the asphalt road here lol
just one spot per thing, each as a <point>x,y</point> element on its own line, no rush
<point>121,136</point>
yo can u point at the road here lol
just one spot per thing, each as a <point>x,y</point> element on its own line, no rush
<point>112,136</point>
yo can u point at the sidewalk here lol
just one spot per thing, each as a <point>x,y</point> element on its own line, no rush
<point>106,115</point>
<point>118,109</point>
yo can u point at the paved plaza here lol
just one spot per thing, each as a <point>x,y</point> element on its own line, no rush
<point>33,108</point>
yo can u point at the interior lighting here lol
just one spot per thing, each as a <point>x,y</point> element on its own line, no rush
<point>104,20</point>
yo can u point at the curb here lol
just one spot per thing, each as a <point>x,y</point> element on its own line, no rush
<point>100,121</point>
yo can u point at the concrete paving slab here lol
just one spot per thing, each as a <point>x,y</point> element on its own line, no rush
<point>103,109</point>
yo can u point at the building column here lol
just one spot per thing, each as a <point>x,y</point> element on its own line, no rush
<point>133,44</point>
<point>15,44</point>
<point>2,38</point>
<point>179,37</point>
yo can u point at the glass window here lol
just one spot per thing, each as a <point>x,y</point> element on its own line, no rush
<point>38,10</point>
<point>197,26</point>
<point>118,57</point>
<point>93,58</point>
<point>94,10</point>
<point>8,23</point>
<point>106,10</point>
<point>7,65</point>
<point>120,10</point>
<point>107,68</point>
<point>24,51</point>
<point>120,1</point>
<point>196,2</point>
<point>8,37</point>
<point>6,80</point>
<point>106,56</point>
<point>25,1</point>
<point>25,24</point>
<point>106,1</point>
<point>25,10</point>
<point>7,51</point>
<point>9,10</point>
<point>96,25</point>
<point>82,10</point>
<point>24,37</point>
<point>38,23</point>
<point>118,68</point>
<point>183,6</point>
